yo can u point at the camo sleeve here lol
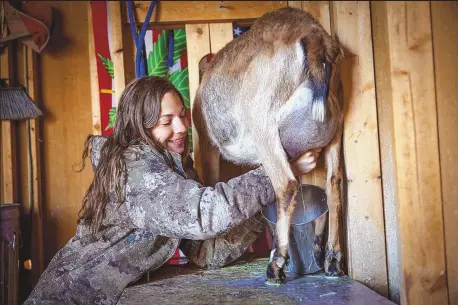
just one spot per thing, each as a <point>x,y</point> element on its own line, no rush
<point>163,202</point>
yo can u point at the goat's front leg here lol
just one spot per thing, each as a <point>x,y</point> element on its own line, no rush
<point>285,206</point>
<point>333,260</point>
<point>275,163</point>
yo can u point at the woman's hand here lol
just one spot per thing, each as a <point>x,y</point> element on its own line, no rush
<point>305,163</point>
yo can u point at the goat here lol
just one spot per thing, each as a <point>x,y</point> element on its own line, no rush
<point>266,98</point>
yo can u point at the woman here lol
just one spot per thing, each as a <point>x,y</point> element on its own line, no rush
<point>144,202</point>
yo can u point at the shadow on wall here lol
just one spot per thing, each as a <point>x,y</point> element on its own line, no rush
<point>58,42</point>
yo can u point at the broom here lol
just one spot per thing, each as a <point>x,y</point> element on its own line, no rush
<point>15,104</point>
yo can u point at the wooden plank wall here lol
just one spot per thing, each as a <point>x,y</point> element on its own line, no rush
<point>445,39</point>
<point>404,40</point>
<point>399,138</point>
<point>63,93</point>
<point>364,212</point>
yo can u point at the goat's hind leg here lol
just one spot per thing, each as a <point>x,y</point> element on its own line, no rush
<point>333,260</point>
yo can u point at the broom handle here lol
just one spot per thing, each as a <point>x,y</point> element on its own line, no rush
<point>29,151</point>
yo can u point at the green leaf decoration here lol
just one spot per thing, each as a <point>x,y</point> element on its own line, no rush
<point>179,39</point>
<point>180,79</point>
<point>112,118</point>
<point>156,58</point>
<point>108,63</point>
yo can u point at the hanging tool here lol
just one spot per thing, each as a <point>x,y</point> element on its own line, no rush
<point>139,40</point>
<point>31,25</point>
<point>15,104</point>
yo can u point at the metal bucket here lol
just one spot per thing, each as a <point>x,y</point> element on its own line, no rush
<point>311,203</point>
<point>10,235</point>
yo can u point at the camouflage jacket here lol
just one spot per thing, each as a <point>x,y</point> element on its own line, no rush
<point>163,210</point>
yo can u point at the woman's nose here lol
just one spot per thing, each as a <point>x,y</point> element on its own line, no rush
<point>181,125</point>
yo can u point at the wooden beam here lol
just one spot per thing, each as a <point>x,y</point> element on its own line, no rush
<point>365,223</point>
<point>198,46</point>
<point>117,53</point>
<point>9,182</point>
<point>445,39</point>
<point>37,225</point>
<point>186,12</point>
<point>95,90</point>
<point>417,179</point>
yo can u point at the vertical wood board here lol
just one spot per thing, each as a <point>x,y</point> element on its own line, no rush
<point>198,46</point>
<point>386,137</point>
<point>418,188</point>
<point>9,187</point>
<point>445,40</point>
<point>95,97</point>
<point>365,223</point>
<point>117,53</point>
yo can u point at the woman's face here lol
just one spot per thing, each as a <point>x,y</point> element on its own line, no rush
<point>172,126</point>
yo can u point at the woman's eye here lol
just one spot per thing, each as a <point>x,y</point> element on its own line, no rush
<point>166,124</point>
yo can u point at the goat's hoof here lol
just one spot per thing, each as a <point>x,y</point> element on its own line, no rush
<point>332,263</point>
<point>275,275</point>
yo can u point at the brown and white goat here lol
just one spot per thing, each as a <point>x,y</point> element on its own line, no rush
<point>266,98</point>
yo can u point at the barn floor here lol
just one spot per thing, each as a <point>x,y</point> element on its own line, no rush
<point>243,283</point>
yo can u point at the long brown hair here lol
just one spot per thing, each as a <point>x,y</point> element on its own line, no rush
<point>137,112</point>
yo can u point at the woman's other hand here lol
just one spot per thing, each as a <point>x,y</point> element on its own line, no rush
<point>305,163</point>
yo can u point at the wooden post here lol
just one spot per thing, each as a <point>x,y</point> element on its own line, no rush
<point>385,123</point>
<point>416,156</point>
<point>9,186</point>
<point>364,213</point>
<point>117,54</point>
<point>198,45</point>
<point>220,35</point>
<point>95,95</point>
<point>37,226</point>
<point>445,39</point>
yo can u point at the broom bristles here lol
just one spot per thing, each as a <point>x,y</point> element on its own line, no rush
<point>15,104</point>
